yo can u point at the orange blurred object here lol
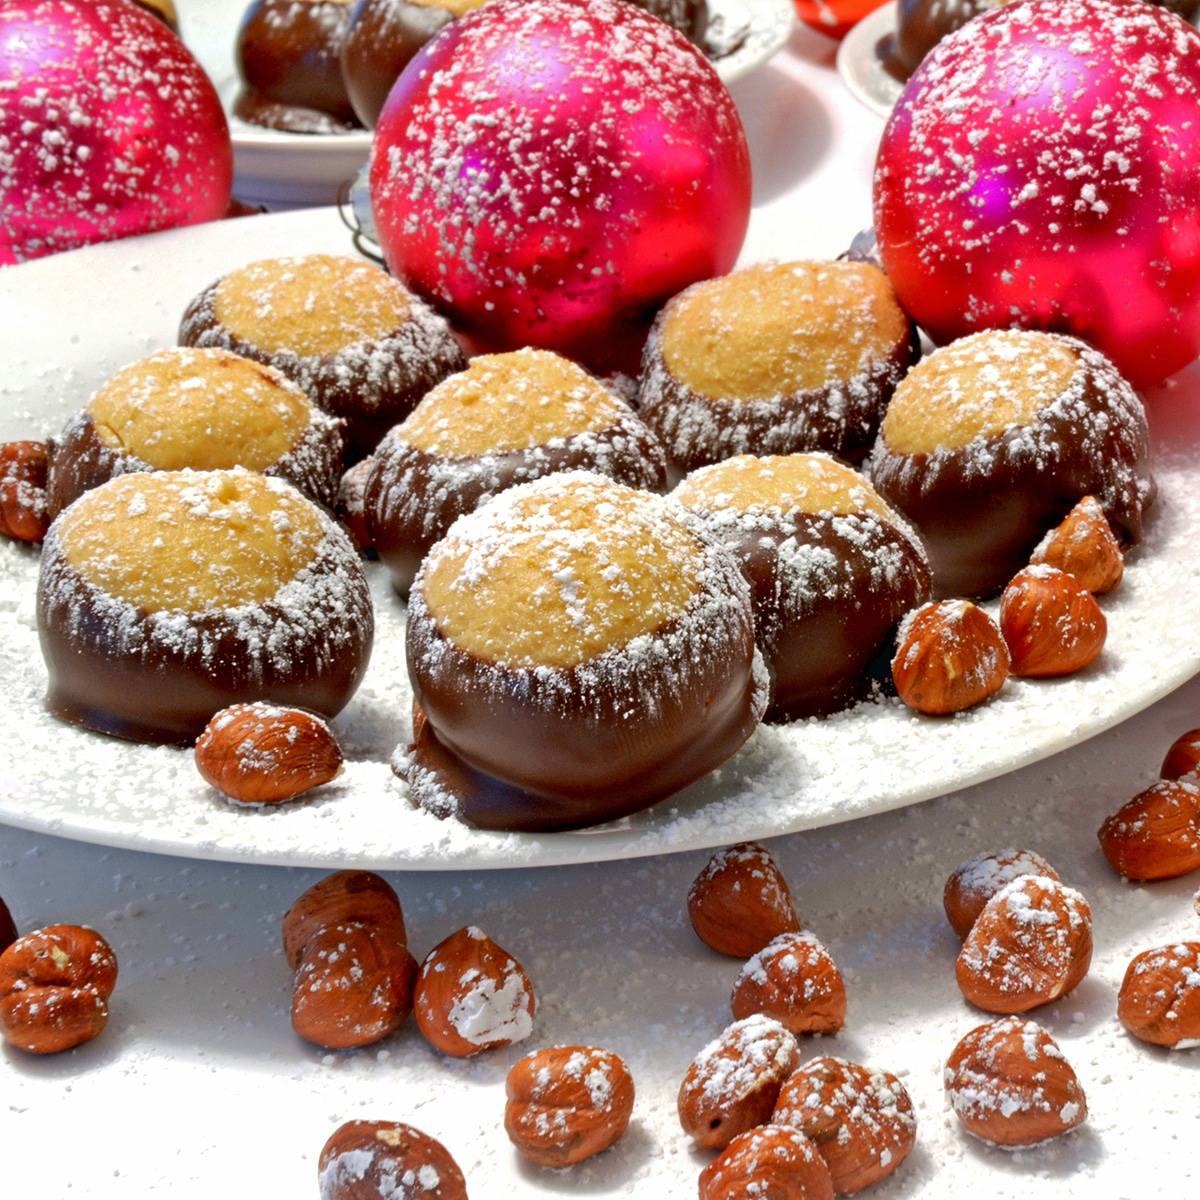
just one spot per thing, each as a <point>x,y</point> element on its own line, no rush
<point>835,18</point>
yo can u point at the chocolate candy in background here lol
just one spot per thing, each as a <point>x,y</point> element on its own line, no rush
<point>385,35</point>
<point>288,57</point>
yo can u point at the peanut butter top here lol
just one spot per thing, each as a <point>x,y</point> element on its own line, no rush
<point>976,388</point>
<point>191,540</point>
<point>514,401</point>
<point>554,573</point>
<point>311,306</point>
<point>777,329</point>
<point>204,409</point>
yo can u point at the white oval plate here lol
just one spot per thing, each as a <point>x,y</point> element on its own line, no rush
<point>66,323</point>
<point>293,170</point>
<point>860,66</point>
<point>862,69</point>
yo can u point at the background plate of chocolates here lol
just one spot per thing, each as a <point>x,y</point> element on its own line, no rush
<point>881,52</point>
<point>304,80</point>
<point>451,713</point>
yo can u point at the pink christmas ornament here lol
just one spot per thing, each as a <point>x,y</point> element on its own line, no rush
<point>549,172</point>
<point>1042,169</point>
<point>108,127</point>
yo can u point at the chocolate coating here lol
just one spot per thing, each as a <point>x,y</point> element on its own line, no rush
<point>690,17</point>
<point>697,430</point>
<point>596,755</point>
<point>80,461</point>
<point>828,593</point>
<point>382,38</point>
<point>982,508</point>
<point>288,55</point>
<point>413,497</point>
<point>120,671</point>
<point>371,385</point>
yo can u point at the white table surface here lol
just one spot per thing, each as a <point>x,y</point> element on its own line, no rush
<point>199,1088</point>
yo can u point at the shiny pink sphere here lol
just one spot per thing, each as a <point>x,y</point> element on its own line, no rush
<point>1042,169</point>
<point>108,127</point>
<point>549,172</point>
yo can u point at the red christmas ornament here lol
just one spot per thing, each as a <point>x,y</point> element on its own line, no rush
<point>835,18</point>
<point>1042,169</point>
<point>549,172</point>
<point>108,128</point>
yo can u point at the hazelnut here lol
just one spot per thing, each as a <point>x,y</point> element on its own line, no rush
<point>354,986</point>
<point>54,988</point>
<point>8,928</point>
<point>1051,622</point>
<point>977,880</point>
<point>567,1103</point>
<point>949,657</point>
<point>1031,944</point>
<point>1010,1085</point>
<point>351,503</point>
<point>733,1083</point>
<point>795,981</point>
<point>343,898</point>
<point>1084,546</point>
<point>1157,834</point>
<point>861,1121</point>
<point>473,996</point>
<point>1160,996</point>
<point>23,468</point>
<point>1183,758</point>
<point>775,1162</point>
<point>264,754</point>
<point>740,901</point>
<point>382,1160</point>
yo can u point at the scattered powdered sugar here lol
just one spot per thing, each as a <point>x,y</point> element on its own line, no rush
<point>486,1011</point>
<point>795,961</point>
<point>749,1055</point>
<point>981,877</point>
<point>1028,937</point>
<point>787,777</point>
<point>981,1084</point>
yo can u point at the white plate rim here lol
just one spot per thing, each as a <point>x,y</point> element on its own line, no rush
<point>771,24</point>
<point>683,823</point>
<point>860,68</point>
